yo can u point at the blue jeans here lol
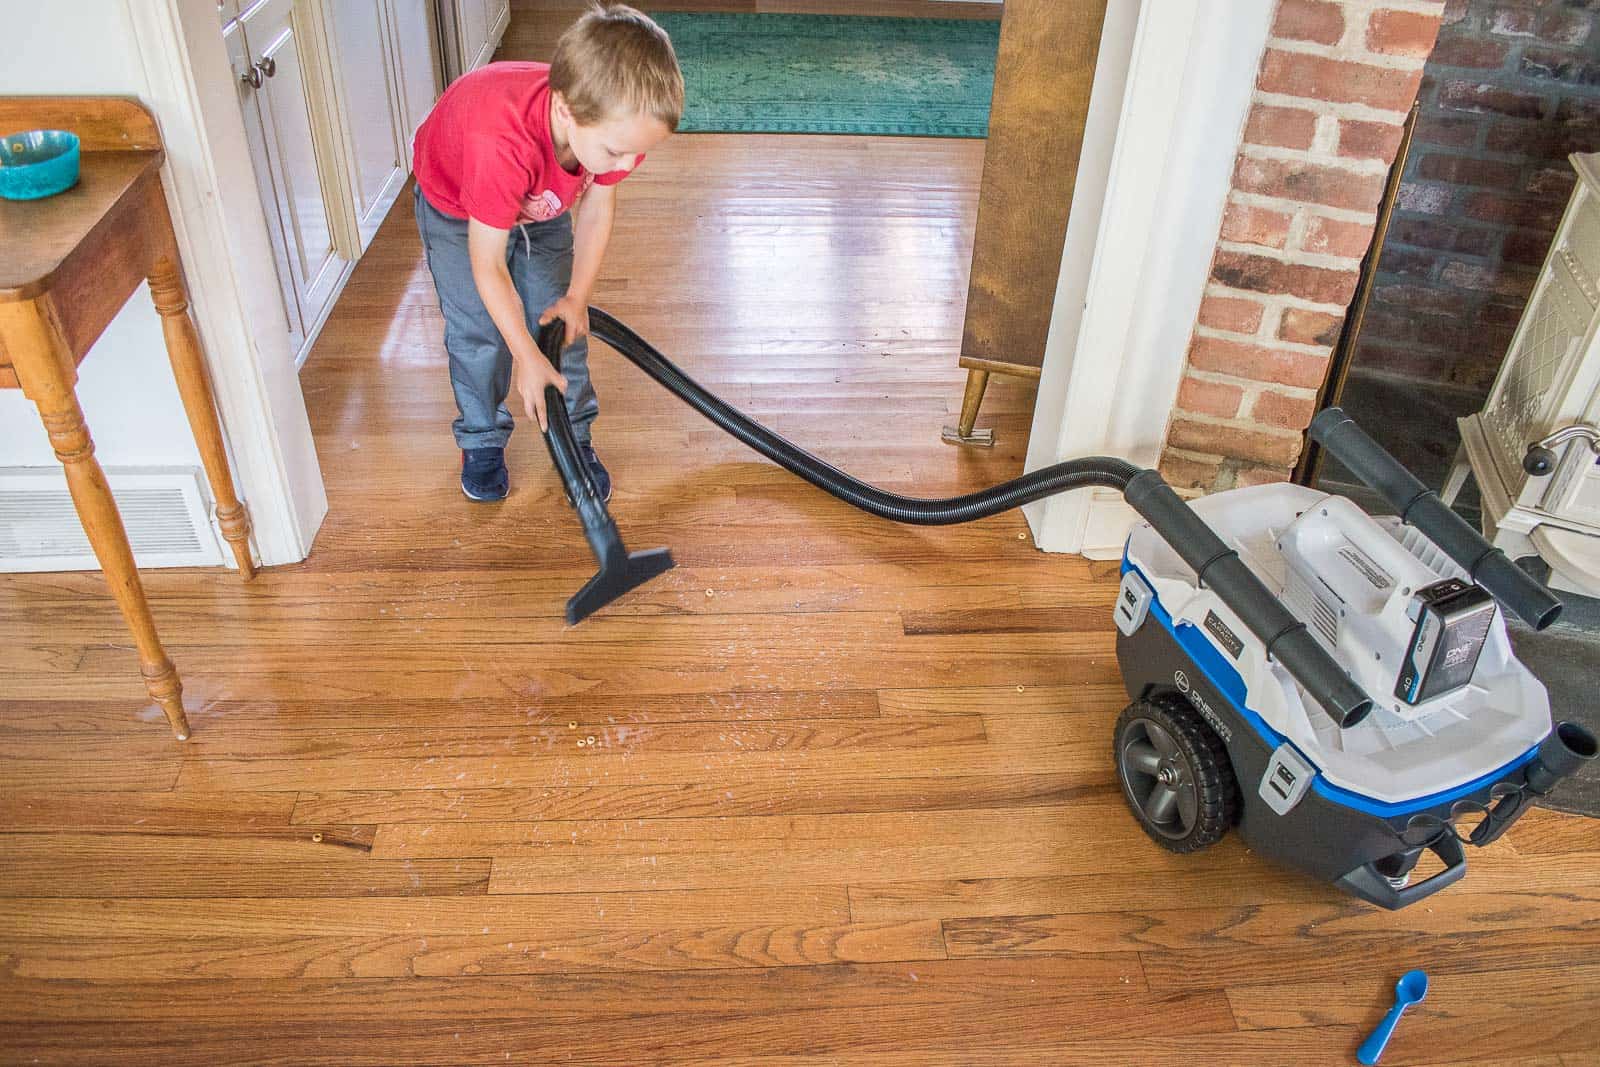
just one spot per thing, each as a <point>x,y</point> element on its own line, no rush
<point>539,257</point>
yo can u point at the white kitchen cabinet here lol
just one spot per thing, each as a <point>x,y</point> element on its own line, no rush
<point>369,105</point>
<point>269,62</point>
<point>472,30</point>
<point>473,16</point>
<point>331,92</point>
<point>416,73</point>
<point>498,14</point>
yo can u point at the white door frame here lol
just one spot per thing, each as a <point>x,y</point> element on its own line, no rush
<point>222,236</point>
<point>1171,95</point>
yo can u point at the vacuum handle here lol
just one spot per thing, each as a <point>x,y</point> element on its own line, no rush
<point>558,436</point>
<point>1368,883</point>
<point>1220,568</point>
<point>1418,506</point>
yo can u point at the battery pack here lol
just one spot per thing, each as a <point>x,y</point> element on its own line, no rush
<point>1452,622</point>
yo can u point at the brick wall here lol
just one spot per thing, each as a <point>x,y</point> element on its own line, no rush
<point>1511,89</point>
<point>1334,88</point>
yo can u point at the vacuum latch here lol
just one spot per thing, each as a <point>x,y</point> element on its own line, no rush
<point>1286,780</point>
<point>1133,603</point>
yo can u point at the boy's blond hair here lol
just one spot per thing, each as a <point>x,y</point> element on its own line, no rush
<point>616,61</point>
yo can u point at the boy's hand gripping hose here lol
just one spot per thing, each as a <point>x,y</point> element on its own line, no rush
<point>1218,566</point>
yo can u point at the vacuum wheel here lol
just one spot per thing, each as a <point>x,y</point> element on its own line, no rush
<point>1175,775</point>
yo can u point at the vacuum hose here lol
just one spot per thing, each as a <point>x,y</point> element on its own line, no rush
<point>1059,478</point>
<point>1217,566</point>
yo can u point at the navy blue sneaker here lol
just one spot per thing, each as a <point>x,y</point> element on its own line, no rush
<point>483,474</point>
<point>597,472</point>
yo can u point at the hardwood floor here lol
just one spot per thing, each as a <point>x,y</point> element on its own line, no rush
<point>849,799</point>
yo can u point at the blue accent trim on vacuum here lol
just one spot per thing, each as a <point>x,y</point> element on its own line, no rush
<point>1221,674</point>
<point>1383,810</point>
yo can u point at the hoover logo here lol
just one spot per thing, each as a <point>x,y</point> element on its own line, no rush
<point>1188,689</point>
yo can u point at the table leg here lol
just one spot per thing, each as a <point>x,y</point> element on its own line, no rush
<point>194,385</point>
<point>964,432</point>
<point>46,376</point>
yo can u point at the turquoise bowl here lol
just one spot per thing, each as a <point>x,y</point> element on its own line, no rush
<point>37,164</point>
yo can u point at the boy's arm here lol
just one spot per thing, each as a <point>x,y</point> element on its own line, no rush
<point>591,232</point>
<point>530,371</point>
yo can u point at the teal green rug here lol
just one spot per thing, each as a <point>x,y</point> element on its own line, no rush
<point>834,73</point>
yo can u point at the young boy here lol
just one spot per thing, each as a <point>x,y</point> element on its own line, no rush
<point>503,156</point>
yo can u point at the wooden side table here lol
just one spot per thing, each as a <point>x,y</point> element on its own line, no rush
<point>69,264</point>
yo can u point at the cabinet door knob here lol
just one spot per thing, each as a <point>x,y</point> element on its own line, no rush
<point>268,66</point>
<point>251,77</point>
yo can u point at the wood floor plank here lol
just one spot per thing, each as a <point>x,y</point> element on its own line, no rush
<point>35,721</point>
<point>760,522</point>
<point>1371,959</point>
<point>1098,701</point>
<point>517,917</point>
<point>298,862</point>
<point>689,1037</point>
<point>523,675</point>
<point>134,774</point>
<point>582,998</point>
<point>541,735</point>
<point>758,867</point>
<point>1244,883</point>
<point>614,948</point>
<point>147,813</point>
<point>640,655</point>
<point>1226,872</point>
<point>601,765</point>
<point>1267,926</point>
<point>976,620</point>
<point>973,827</point>
<point>815,795</point>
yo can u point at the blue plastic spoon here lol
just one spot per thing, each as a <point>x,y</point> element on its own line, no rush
<point>1411,988</point>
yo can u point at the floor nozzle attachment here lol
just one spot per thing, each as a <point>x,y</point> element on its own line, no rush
<point>620,570</point>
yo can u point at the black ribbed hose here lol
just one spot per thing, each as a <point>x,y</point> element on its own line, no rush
<point>1216,565</point>
<point>1057,478</point>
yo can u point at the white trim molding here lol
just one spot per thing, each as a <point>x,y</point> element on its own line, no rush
<point>233,291</point>
<point>1153,179</point>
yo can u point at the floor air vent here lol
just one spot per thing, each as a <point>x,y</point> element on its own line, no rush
<point>165,511</point>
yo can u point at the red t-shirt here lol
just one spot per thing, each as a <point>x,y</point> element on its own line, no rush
<point>485,150</point>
